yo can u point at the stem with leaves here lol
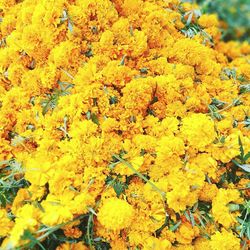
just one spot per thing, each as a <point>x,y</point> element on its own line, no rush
<point>129,165</point>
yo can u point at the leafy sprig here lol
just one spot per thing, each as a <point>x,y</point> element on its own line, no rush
<point>11,180</point>
<point>242,157</point>
<point>117,184</point>
<point>192,27</point>
<point>51,100</point>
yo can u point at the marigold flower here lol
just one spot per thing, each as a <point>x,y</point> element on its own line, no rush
<point>198,130</point>
<point>224,241</point>
<point>115,214</point>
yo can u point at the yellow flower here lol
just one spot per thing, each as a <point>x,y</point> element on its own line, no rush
<point>186,233</point>
<point>169,146</point>
<point>107,39</point>
<point>22,195</point>
<point>227,150</point>
<point>5,223</point>
<point>72,246</point>
<point>64,54</point>
<point>220,210</point>
<point>26,219</point>
<point>72,232</point>
<point>205,163</point>
<point>120,77</point>
<point>115,214</point>
<point>153,243</point>
<point>55,213</point>
<point>202,243</point>
<point>184,187</point>
<point>118,244</point>
<point>208,192</point>
<point>224,241</point>
<point>198,131</point>
<point>209,21</point>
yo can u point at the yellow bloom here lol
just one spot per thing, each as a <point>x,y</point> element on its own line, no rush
<point>198,131</point>
<point>208,21</point>
<point>184,187</point>
<point>169,146</point>
<point>220,210</point>
<point>118,244</point>
<point>224,241</point>
<point>26,219</point>
<point>202,243</point>
<point>120,77</point>
<point>153,243</point>
<point>208,192</point>
<point>5,223</point>
<point>227,150</point>
<point>72,246</point>
<point>115,214</point>
<point>186,233</point>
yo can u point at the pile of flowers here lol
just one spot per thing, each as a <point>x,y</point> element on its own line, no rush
<point>124,124</point>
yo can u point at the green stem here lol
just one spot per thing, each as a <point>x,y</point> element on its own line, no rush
<point>67,73</point>
<point>229,106</point>
<point>53,229</point>
<point>90,220</point>
<point>162,193</point>
<point>241,231</point>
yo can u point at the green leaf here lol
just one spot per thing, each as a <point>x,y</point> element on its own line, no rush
<point>233,207</point>
<point>65,85</point>
<point>91,210</point>
<point>88,115</point>
<point>18,140</point>
<point>241,150</point>
<point>70,26</point>
<point>247,156</point>
<point>90,230</point>
<point>113,100</point>
<point>122,63</point>
<point>89,53</point>
<point>165,224</point>
<point>174,227</point>
<point>245,167</point>
<point>50,103</point>
<point>4,162</point>
<point>196,205</point>
<point>244,88</point>
<point>38,205</point>
<point>219,104</point>
<point>192,219</point>
<point>113,164</point>
<point>190,16</point>
<point>131,30</point>
<point>94,118</point>
<point>119,188</point>
<point>52,99</point>
<point>214,112</point>
<point>187,216</point>
<point>201,221</point>
<point>246,122</point>
<point>27,235</point>
<point>144,70</point>
<point>3,200</point>
<point>228,73</point>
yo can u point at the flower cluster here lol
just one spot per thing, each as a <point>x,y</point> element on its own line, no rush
<point>124,124</point>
